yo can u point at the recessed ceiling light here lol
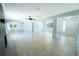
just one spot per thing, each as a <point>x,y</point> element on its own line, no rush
<point>38,9</point>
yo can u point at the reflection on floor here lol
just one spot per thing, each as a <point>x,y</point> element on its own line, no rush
<point>40,44</point>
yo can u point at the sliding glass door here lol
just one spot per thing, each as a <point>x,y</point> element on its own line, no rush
<point>67,26</point>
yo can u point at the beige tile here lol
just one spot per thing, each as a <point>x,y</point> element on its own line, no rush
<point>42,44</point>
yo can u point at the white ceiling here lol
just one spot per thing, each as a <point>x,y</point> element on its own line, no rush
<point>19,11</point>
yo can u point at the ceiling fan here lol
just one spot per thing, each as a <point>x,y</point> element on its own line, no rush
<point>30,18</point>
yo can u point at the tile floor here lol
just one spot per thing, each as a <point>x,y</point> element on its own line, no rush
<point>40,44</point>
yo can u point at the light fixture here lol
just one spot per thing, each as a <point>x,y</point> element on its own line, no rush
<point>30,18</point>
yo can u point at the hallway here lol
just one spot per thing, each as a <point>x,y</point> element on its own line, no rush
<point>41,45</point>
